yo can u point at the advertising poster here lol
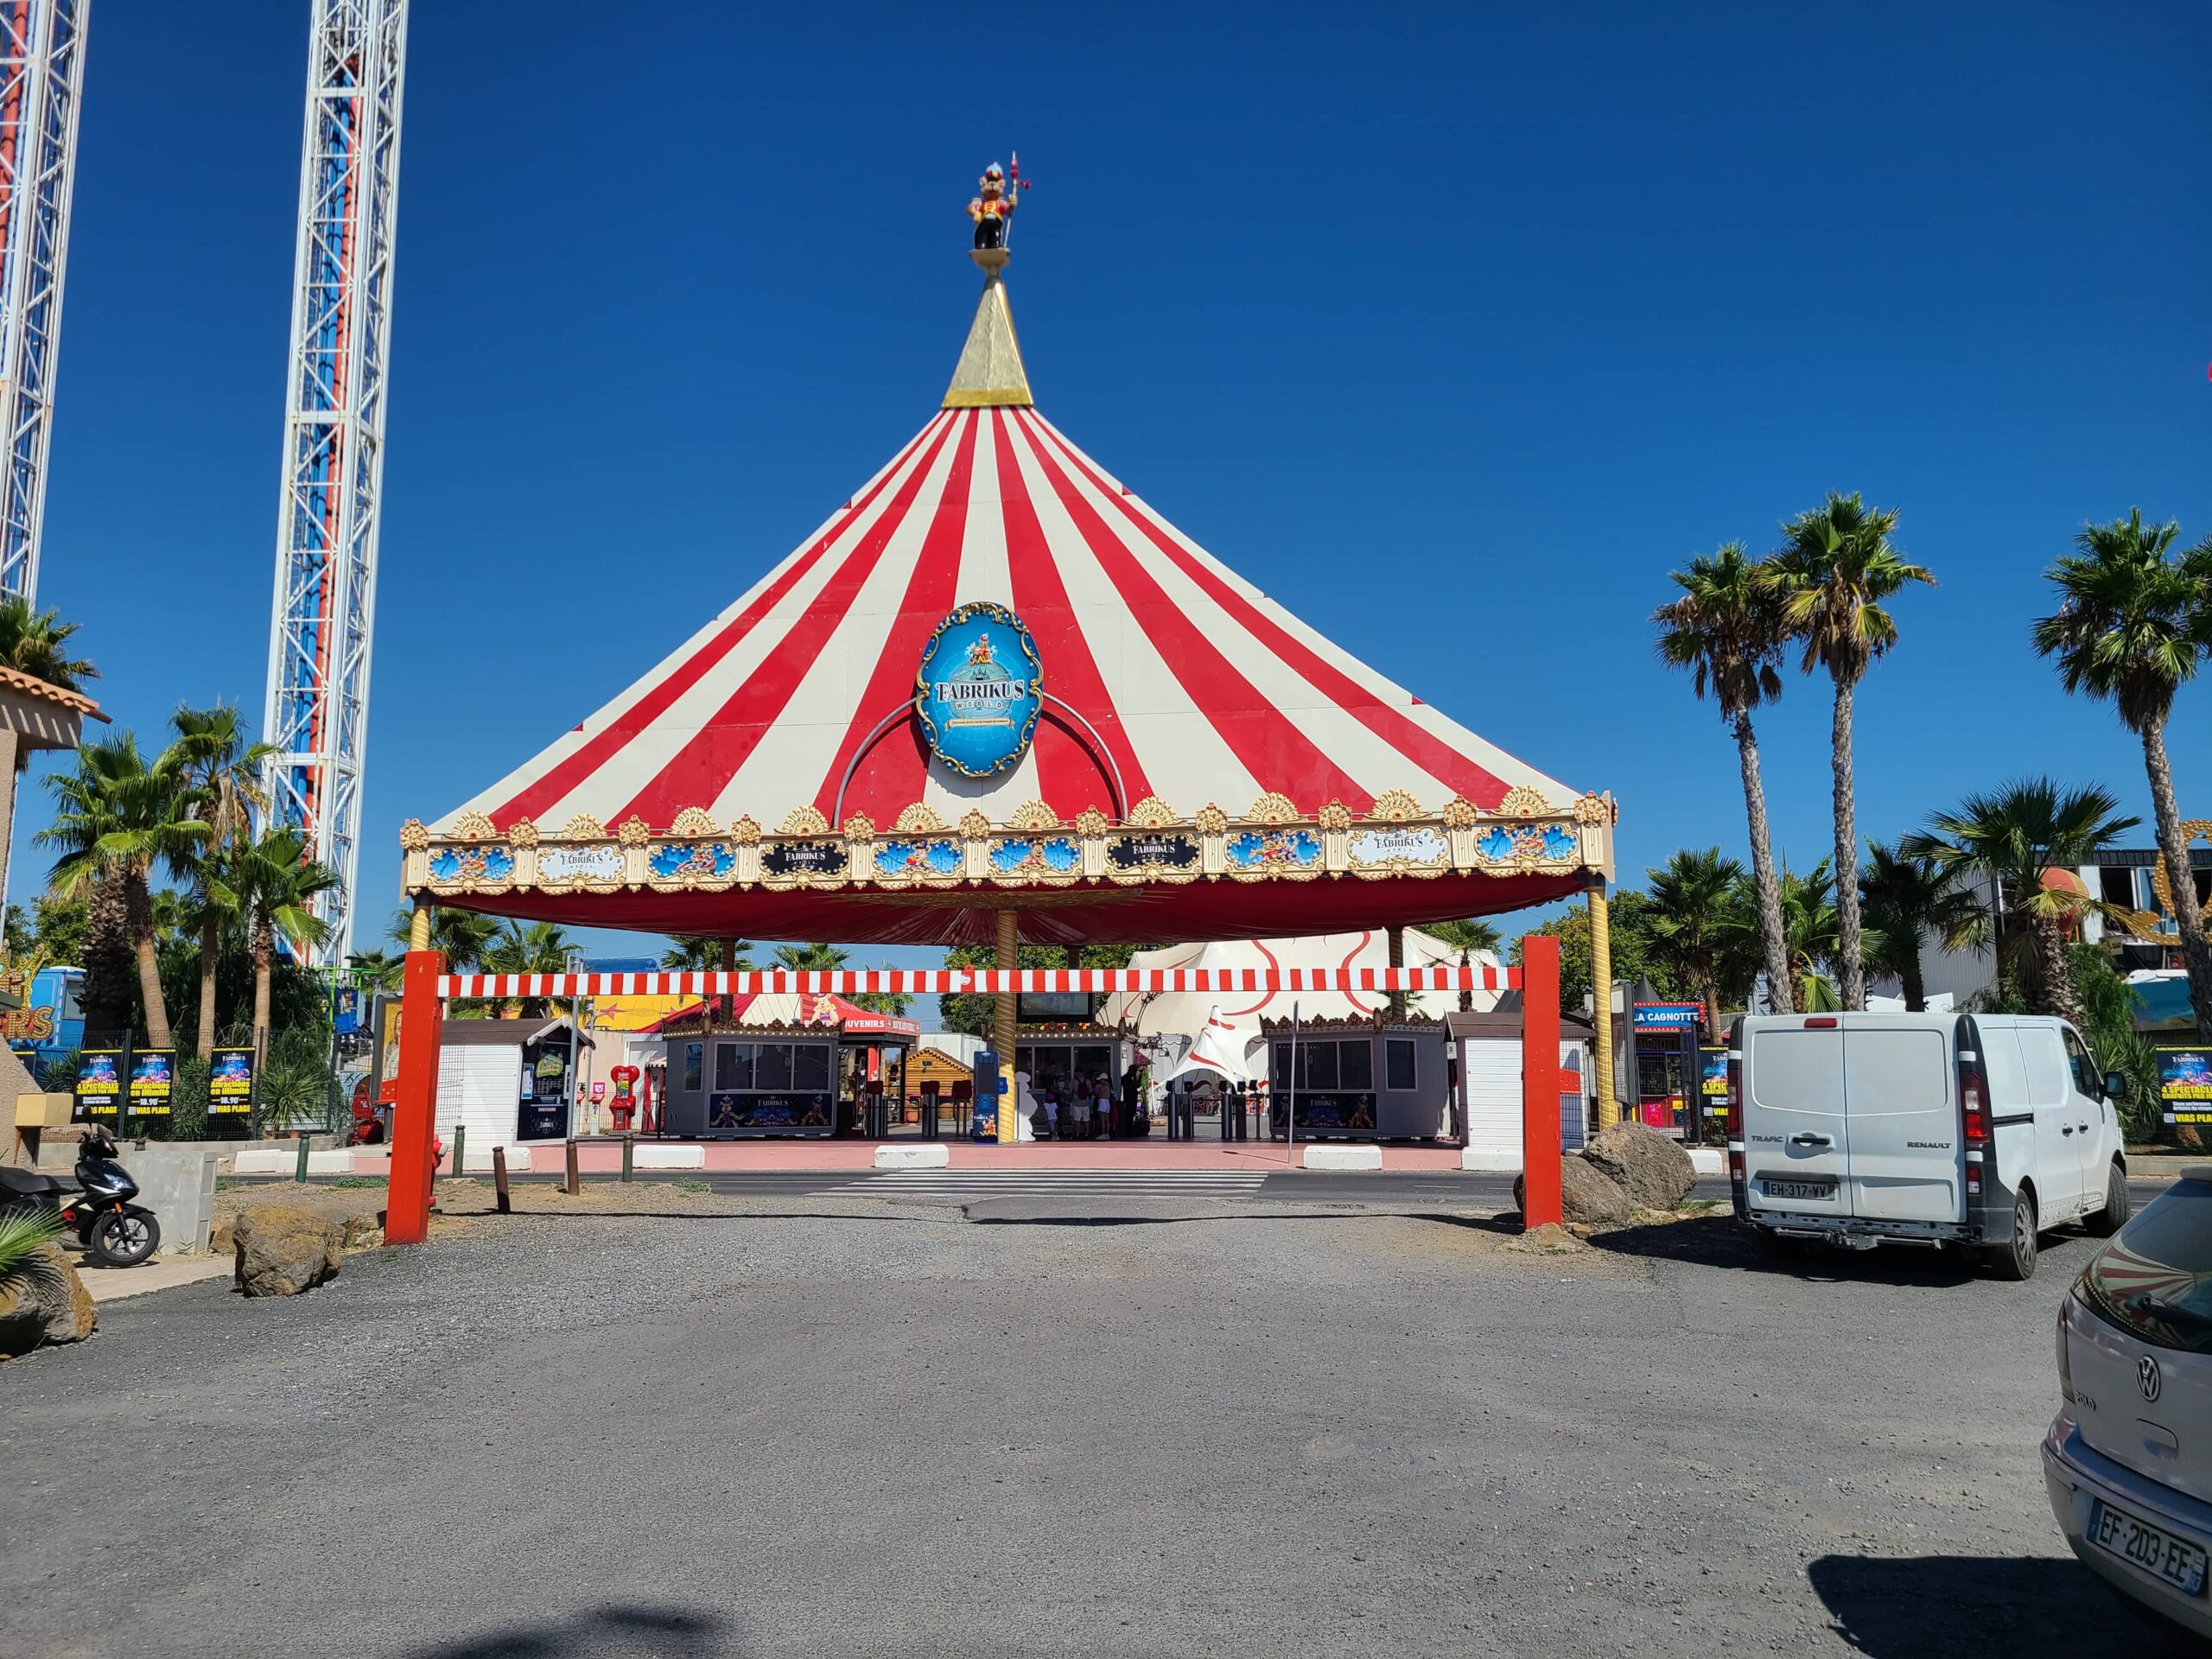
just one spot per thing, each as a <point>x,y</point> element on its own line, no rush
<point>99,1082</point>
<point>230,1082</point>
<point>345,1014</point>
<point>153,1078</point>
<point>1712,1080</point>
<point>2186,1083</point>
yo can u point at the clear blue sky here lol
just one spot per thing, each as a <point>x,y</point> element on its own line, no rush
<point>1453,328</point>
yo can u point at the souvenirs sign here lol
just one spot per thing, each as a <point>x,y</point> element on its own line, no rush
<point>230,1082</point>
<point>99,1087</point>
<point>153,1078</point>
<point>979,690</point>
<point>2186,1083</point>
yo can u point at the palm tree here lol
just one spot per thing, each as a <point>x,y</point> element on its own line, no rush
<point>272,883</point>
<point>461,937</point>
<point>695,953</point>
<point>1728,630</point>
<point>380,970</point>
<point>810,959</point>
<point>2133,625</point>
<point>1691,930</point>
<point>35,642</point>
<point>117,817</point>
<point>1811,930</point>
<point>1835,567</point>
<point>1466,937</point>
<point>32,642</point>
<point>1907,900</point>
<point>2013,837</point>
<point>540,948</point>
<point>219,769</point>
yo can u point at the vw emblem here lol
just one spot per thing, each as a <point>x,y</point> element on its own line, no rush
<point>2147,1377</point>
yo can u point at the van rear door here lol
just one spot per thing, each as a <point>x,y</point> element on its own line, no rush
<point>1797,1140</point>
<point>1906,1162</point>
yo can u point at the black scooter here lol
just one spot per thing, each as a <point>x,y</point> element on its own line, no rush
<point>114,1231</point>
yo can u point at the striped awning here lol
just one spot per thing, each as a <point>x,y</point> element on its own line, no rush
<point>1175,696</point>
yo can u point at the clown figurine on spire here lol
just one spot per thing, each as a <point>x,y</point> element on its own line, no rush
<point>991,207</point>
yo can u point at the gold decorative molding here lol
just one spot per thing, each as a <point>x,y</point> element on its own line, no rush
<point>1034,853</point>
<point>475,826</point>
<point>1523,801</point>
<point>1394,806</point>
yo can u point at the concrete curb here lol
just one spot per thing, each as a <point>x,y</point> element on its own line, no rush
<point>932,1156</point>
<point>669,1158</point>
<point>479,1163</point>
<point>283,1160</point>
<point>1330,1157</point>
<point>1490,1163</point>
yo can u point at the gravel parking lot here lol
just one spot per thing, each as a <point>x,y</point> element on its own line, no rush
<point>843,1429</point>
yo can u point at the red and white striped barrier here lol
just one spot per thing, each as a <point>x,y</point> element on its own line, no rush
<point>940,981</point>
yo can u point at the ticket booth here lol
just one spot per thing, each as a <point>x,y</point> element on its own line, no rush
<point>1670,1073</point>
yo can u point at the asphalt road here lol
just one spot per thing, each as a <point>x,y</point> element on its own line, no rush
<point>1239,1428</point>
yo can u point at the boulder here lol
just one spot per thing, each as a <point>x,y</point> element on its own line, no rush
<point>282,1252</point>
<point>1654,1171</point>
<point>44,1301</point>
<point>1550,1239</point>
<point>1587,1194</point>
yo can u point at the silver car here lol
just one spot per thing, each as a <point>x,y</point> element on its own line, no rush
<point>2128,1460</point>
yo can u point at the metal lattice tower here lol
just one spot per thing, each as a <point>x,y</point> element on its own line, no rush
<point>41,73</point>
<point>328,514</point>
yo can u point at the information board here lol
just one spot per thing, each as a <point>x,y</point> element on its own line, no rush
<point>230,1082</point>
<point>153,1080</point>
<point>99,1087</point>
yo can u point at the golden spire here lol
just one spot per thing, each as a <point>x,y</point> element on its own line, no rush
<point>989,374</point>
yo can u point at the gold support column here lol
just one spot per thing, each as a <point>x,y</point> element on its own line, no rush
<point>1002,1024</point>
<point>418,926</point>
<point>1601,999</point>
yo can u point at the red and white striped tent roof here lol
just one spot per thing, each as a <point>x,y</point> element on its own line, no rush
<point>1196,687</point>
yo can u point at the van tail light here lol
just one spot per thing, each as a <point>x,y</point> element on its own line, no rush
<point>1736,1168</point>
<point>1974,1118</point>
<point>1824,1023</point>
<point>2065,1361</point>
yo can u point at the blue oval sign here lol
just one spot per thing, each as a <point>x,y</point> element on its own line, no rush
<point>979,690</point>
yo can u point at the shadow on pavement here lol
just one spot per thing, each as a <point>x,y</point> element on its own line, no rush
<point>663,1632</point>
<point>1721,1241</point>
<point>1957,1606</point>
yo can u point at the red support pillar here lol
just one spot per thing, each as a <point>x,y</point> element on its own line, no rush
<point>415,1112</point>
<point>1539,1171</point>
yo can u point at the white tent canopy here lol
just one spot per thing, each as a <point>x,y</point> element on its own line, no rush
<point>1220,1047</point>
<point>1187,1013</point>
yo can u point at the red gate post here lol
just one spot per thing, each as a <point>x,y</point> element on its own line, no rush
<point>1540,1154</point>
<point>422,1014</point>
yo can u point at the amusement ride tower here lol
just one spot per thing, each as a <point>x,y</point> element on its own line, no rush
<point>41,73</point>
<point>328,512</point>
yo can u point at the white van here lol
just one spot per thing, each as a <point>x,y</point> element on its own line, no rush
<point>1977,1130</point>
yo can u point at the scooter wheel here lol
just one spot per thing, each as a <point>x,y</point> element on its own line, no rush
<point>125,1239</point>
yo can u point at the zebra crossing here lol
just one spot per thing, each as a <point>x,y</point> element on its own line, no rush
<point>1079,1185</point>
